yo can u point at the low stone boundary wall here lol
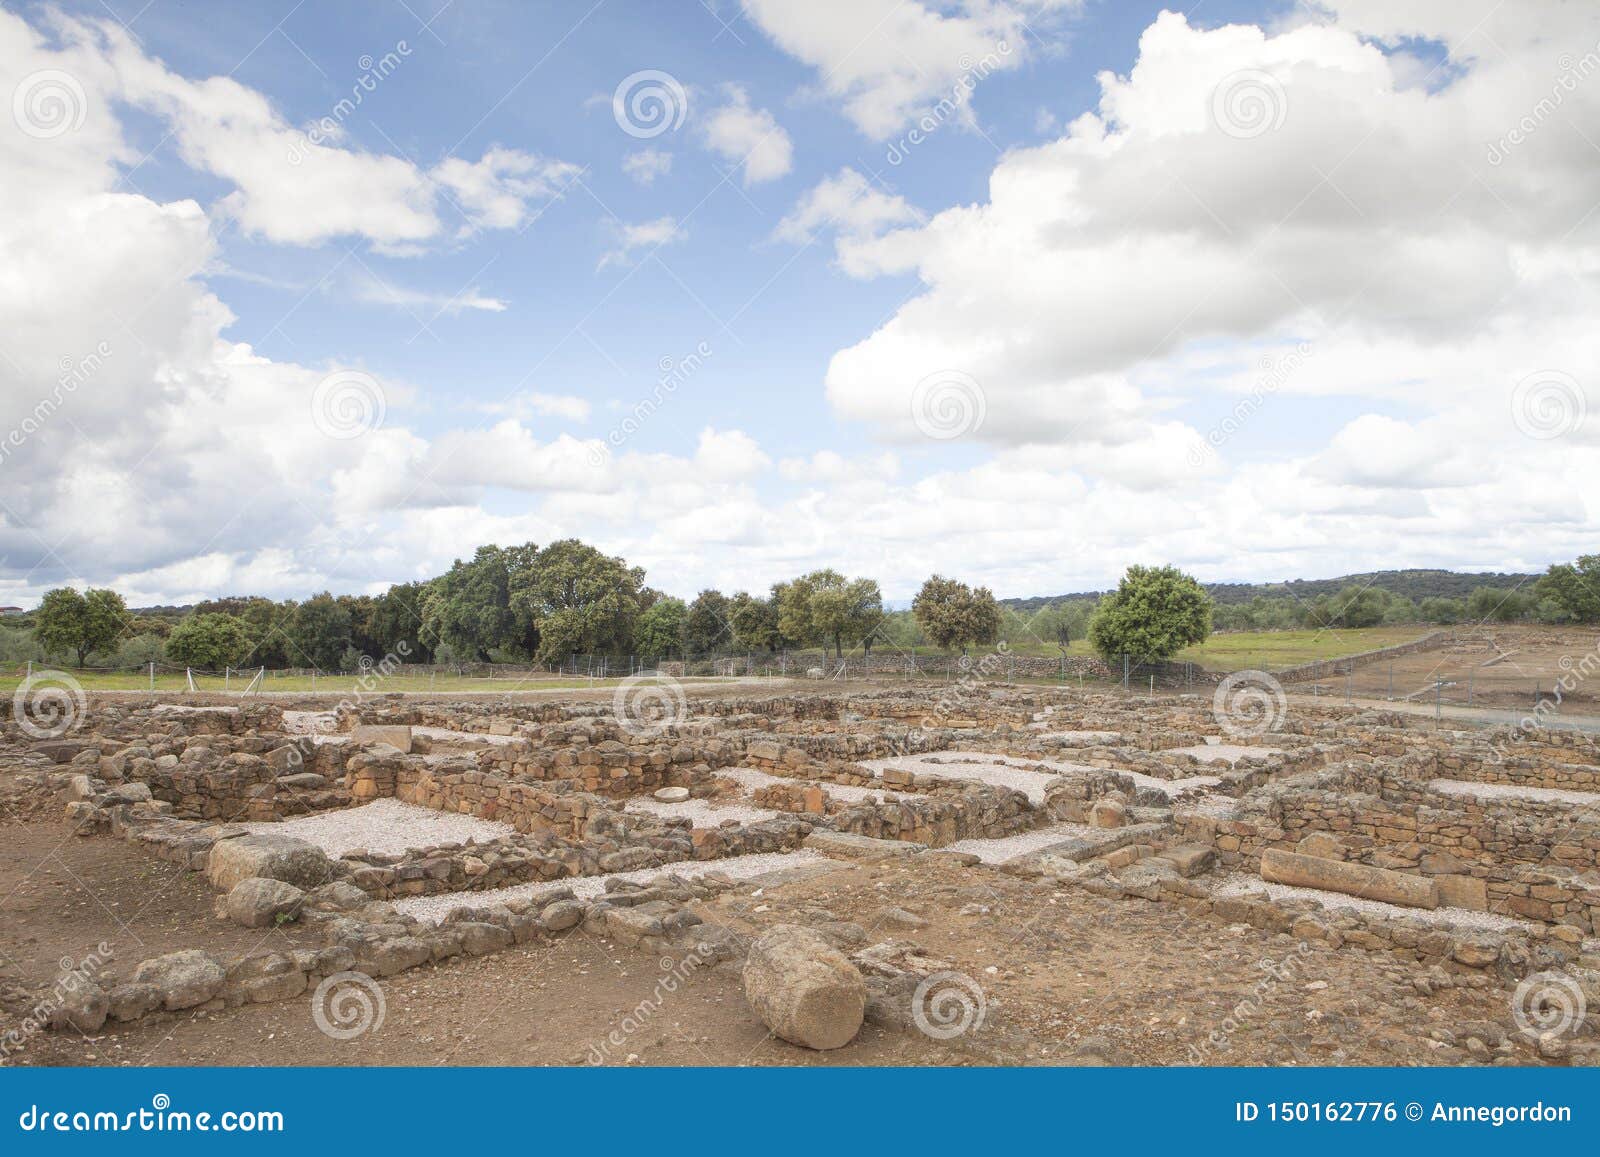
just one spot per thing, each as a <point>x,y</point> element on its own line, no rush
<point>1326,668</point>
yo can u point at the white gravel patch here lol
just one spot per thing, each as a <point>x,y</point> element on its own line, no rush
<point>1513,791</point>
<point>445,735</point>
<point>1085,738</point>
<point>974,767</point>
<point>704,813</point>
<point>753,778</point>
<point>308,722</point>
<point>1215,752</point>
<point>435,908</point>
<point>385,825</point>
<point>1220,807</point>
<point>1462,917</point>
<point>1004,848</point>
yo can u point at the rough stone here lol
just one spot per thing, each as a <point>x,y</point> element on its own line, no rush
<point>804,989</point>
<point>182,979</point>
<point>259,903</point>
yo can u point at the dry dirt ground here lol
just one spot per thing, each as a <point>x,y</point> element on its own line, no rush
<point>1061,977</point>
<point>1496,666</point>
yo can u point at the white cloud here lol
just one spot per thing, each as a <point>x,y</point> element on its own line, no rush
<point>301,187</point>
<point>628,238</point>
<point>890,60</point>
<point>1356,212</point>
<point>1112,297</point>
<point>858,212</point>
<point>537,405</point>
<point>375,291</point>
<point>749,137</point>
<point>729,454</point>
<point>645,165</point>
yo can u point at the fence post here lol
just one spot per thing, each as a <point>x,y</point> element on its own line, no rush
<point>152,674</point>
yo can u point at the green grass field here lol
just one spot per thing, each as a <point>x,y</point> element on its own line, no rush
<point>324,685</point>
<point>1264,650</point>
<point>1276,650</point>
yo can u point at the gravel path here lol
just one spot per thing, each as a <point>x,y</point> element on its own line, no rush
<point>445,735</point>
<point>1461,917</point>
<point>436,908</point>
<point>1215,752</point>
<point>1085,738</point>
<point>385,825</point>
<point>704,813</point>
<point>753,778</point>
<point>1002,775</point>
<point>1004,848</point>
<point>1513,791</point>
<point>308,722</point>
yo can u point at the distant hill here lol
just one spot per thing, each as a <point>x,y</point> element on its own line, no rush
<point>1413,584</point>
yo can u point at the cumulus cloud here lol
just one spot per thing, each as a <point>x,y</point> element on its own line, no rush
<point>301,186</point>
<point>1119,293</point>
<point>889,61</point>
<point>858,213</point>
<point>749,137</point>
<point>645,165</point>
<point>628,238</point>
<point>1238,189</point>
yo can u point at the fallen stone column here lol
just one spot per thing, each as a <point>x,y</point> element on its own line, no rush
<point>1280,867</point>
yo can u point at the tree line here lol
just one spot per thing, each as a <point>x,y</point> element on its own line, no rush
<point>548,604</point>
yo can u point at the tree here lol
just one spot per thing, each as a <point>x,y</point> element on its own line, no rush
<point>81,623</point>
<point>659,630</point>
<point>1153,614</point>
<point>1499,605</point>
<point>469,606</point>
<point>953,614</point>
<point>574,600</point>
<point>824,606</point>
<point>707,626</point>
<point>1575,588</point>
<point>864,611</point>
<point>209,641</point>
<point>1353,606</point>
<point>397,619</point>
<point>1438,610</point>
<point>319,632</point>
<point>755,621</point>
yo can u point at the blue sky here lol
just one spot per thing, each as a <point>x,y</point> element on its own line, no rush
<point>1097,250</point>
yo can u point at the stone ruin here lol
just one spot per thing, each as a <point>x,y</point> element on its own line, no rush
<point>1471,852</point>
